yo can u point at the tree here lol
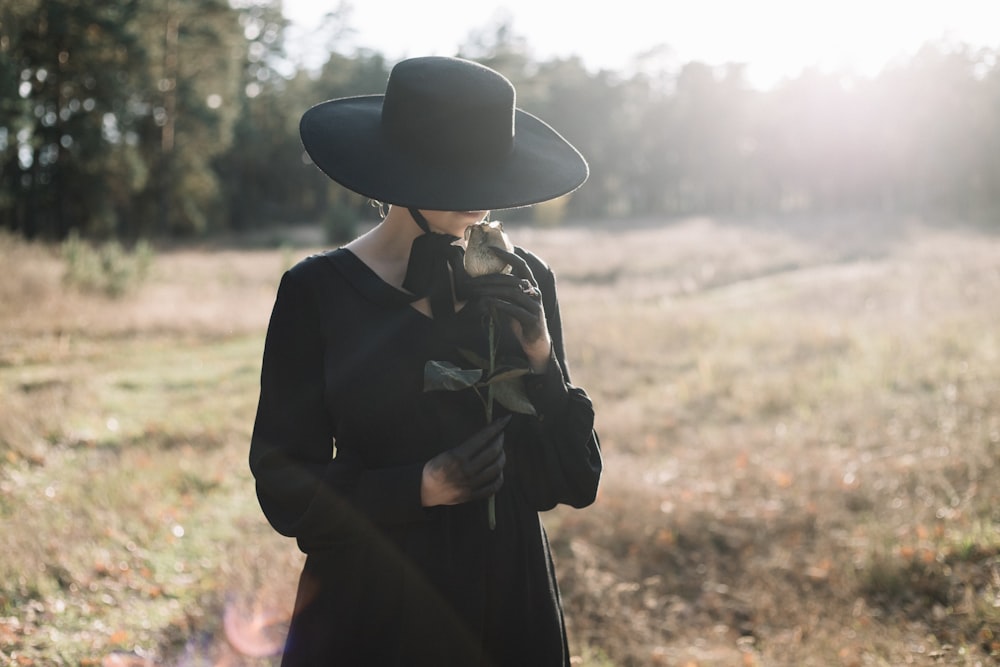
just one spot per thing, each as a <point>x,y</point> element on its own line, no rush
<point>588,110</point>
<point>196,53</point>
<point>63,142</point>
<point>256,171</point>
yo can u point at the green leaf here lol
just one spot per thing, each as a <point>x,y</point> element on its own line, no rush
<point>512,395</point>
<point>443,375</point>
<point>504,374</point>
<point>474,358</point>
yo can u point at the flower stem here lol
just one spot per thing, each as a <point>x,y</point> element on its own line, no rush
<point>491,509</point>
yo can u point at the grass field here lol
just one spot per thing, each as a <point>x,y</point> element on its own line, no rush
<point>801,425</point>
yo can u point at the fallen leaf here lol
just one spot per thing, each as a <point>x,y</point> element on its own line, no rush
<point>125,660</point>
<point>665,537</point>
<point>782,479</point>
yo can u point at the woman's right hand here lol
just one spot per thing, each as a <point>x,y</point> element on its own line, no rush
<point>470,471</point>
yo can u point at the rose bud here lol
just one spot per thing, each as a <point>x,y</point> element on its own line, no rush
<point>479,260</point>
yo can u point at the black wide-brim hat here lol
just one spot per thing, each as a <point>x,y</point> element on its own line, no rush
<point>446,136</point>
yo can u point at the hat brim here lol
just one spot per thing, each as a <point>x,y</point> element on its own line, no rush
<point>344,138</point>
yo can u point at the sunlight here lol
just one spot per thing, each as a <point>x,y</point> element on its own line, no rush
<point>775,38</point>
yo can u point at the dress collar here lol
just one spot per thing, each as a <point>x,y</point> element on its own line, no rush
<point>366,281</point>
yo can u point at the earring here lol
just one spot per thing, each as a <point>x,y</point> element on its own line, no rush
<point>374,203</point>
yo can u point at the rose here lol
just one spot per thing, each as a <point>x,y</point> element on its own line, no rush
<point>503,384</point>
<point>479,259</point>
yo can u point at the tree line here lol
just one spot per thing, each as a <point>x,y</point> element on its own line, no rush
<point>172,118</point>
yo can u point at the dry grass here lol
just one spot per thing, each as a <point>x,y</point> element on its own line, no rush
<point>801,425</point>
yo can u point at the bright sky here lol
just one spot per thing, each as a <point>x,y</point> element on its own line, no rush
<point>776,38</point>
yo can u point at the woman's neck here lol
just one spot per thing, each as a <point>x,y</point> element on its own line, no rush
<point>386,248</point>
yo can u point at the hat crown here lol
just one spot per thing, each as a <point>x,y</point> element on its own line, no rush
<point>449,110</point>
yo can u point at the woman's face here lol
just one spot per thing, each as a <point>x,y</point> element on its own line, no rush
<point>452,222</point>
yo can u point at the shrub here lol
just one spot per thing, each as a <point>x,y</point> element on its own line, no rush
<point>109,268</point>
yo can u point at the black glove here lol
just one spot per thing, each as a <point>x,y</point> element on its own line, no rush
<point>515,296</point>
<point>470,471</point>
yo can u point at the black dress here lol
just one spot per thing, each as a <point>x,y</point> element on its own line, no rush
<point>342,432</point>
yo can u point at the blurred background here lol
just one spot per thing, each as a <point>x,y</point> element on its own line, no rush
<point>172,119</point>
<point>780,287</point>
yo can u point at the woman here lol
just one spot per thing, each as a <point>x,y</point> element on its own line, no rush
<point>385,485</point>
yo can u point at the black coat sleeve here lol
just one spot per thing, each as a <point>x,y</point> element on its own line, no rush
<point>559,460</point>
<point>303,491</point>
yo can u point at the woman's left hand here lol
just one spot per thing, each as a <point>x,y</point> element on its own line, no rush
<point>516,297</point>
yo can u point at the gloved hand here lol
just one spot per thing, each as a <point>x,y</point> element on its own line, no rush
<point>470,471</point>
<point>517,299</point>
